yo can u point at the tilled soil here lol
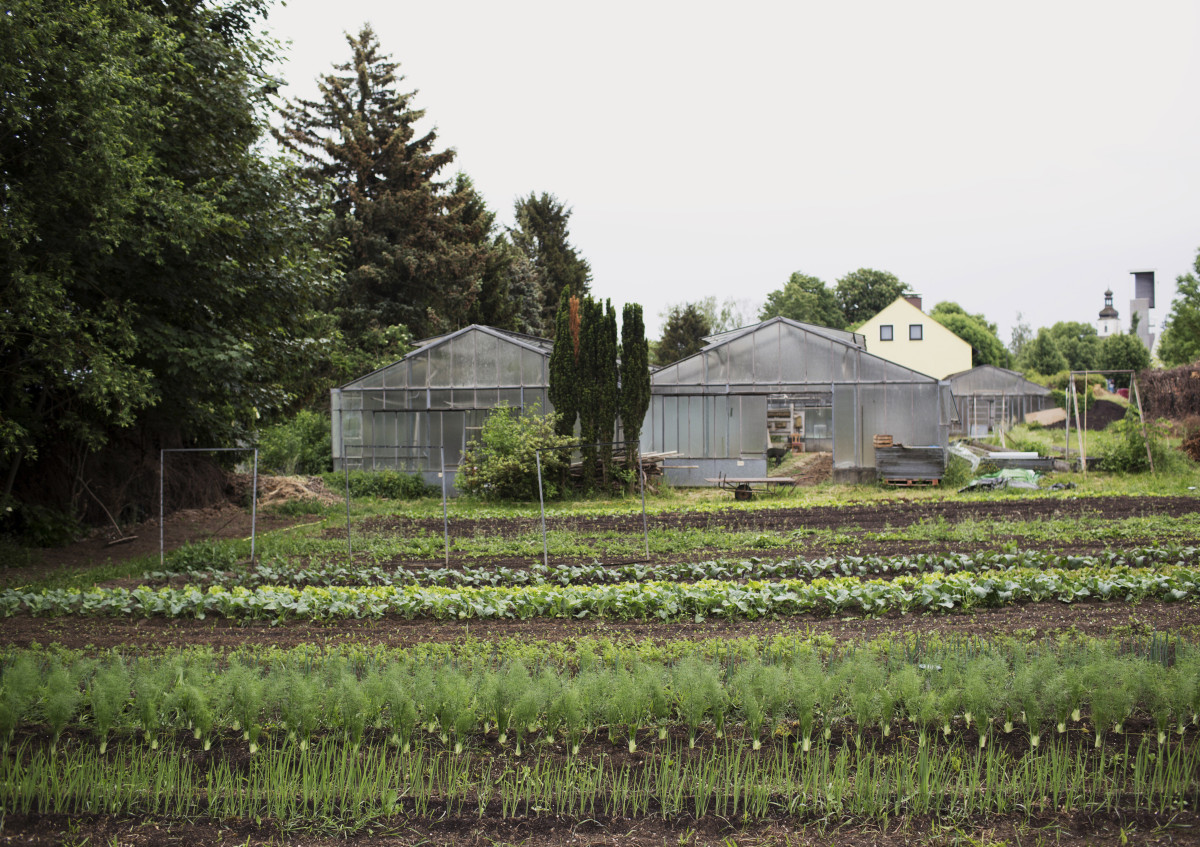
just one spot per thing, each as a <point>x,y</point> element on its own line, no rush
<point>1032,619</point>
<point>874,517</point>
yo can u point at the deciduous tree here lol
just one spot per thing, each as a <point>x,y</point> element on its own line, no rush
<point>986,348</point>
<point>864,293</point>
<point>806,299</point>
<point>1180,344</point>
<point>1042,355</point>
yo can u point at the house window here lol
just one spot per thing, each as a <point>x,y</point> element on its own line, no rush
<point>914,332</point>
<point>885,332</point>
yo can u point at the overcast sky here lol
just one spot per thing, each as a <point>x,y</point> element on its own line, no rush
<point>1016,157</point>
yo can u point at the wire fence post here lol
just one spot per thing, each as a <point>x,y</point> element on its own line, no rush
<point>346,471</point>
<point>537,454</point>
<point>253,505</point>
<point>162,555</point>
<point>445,517</point>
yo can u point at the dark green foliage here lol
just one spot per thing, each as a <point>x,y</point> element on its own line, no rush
<point>1123,352</point>
<point>564,368</point>
<point>806,299</point>
<point>1079,343</point>
<point>986,347</point>
<point>683,334</point>
<point>145,235</point>
<point>387,485</point>
<point>418,249</point>
<point>607,396</point>
<point>1042,356</point>
<point>299,446</point>
<point>502,463</point>
<point>592,379</point>
<point>1180,344</point>
<point>541,234</point>
<point>635,376</point>
<point>1127,452</point>
<point>864,293</point>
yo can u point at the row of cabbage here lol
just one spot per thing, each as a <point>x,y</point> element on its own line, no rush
<point>858,697</point>
<point>655,600</point>
<point>331,574</point>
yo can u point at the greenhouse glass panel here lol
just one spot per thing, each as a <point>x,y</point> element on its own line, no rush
<point>509,361</point>
<point>754,425</point>
<point>845,452</point>
<point>372,400</point>
<point>371,380</point>
<point>665,376</point>
<point>695,442</point>
<point>462,398</point>
<point>532,368</point>
<point>767,356</point>
<point>671,424</point>
<point>486,398</point>
<point>352,428</point>
<point>439,366</point>
<point>351,399</point>
<point>741,360</point>
<point>510,397</point>
<point>717,362</point>
<point>734,426</point>
<point>486,358</point>
<point>462,372</point>
<point>396,376</point>
<point>845,361</point>
<point>418,370</point>
<point>439,398</point>
<point>690,371</point>
<point>717,419</point>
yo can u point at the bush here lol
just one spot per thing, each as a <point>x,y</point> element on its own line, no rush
<point>383,485</point>
<point>1126,452</point>
<point>958,472</point>
<point>303,445</point>
<point>502,463</point>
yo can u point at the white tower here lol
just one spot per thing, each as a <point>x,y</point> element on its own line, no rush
<point>1110,323</point>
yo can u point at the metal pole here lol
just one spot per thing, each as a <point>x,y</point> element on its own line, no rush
<point>254,505</point>
<point>1079,426</point>
<point>537,454</point>
<point>1137,395</point>
<point>642,480</point>
<point>445,518</point>
<point>162,455</point>
<point>346,469</point>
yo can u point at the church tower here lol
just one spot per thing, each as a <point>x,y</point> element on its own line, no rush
<point>1110,323</point>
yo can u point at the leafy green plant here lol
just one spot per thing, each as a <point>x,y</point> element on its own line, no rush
<point>302,445</point>
<point>108,694</point>
<point>502,463</point>
<point>19,689</point>
<point>60,700</point>
<point>381,485</point>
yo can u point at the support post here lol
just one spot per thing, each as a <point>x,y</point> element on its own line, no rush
<point>1137,395</point>
<point>1079,426</point>
<point>162,454</point>
<point>253,506</point>
<point>537,455</point>
<point>445,517</point>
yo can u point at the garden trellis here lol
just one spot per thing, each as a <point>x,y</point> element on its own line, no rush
<point>1081,421</point>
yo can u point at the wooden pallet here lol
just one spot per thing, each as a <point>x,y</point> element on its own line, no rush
<point>911,482</point>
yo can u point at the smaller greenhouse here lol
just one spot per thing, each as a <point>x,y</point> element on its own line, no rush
<point>988,396</point>
<point>402,415</point>
<point>720,410</point>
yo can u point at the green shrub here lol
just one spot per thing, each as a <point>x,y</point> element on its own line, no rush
<point>1126,452</point>
<point>302,445</point>
<point>383,485</point>
<point>958,472</point>
<point>502,464</point>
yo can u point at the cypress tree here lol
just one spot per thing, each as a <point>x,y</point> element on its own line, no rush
<point>607,383</point>
<point>635,377</point>
<point>564,376</point>
<point>591,388</point>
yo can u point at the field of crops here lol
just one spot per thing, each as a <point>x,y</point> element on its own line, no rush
<point>972,671</point>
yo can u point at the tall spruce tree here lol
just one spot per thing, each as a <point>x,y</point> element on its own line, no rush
<point>418,248</point>
<point>635,377</point>
<point>541,233</point>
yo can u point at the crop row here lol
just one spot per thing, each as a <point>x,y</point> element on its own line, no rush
<point>280,573</point>
<point>341,787</point>
<point>803,698</point>
<point>663,600</point>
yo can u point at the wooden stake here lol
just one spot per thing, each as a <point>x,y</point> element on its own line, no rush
<point>1142,419</point>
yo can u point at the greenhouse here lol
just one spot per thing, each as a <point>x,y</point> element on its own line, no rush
<point>402,415</point>
<point>782,383</point>
<point>988,396</point>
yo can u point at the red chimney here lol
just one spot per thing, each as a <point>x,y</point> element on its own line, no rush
<point>915,299</point>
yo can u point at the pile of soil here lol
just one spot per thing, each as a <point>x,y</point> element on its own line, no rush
<point>1102,413</point>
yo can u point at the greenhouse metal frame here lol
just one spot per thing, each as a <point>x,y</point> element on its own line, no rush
<point>715,409</point>
<point>988,397</point>
<point>437,396</point>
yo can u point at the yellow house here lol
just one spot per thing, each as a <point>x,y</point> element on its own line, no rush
<point>903,334</point>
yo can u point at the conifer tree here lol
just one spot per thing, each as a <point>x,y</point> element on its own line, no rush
<point>606,383</point>
<point>564,371</point>
<point>635,377</point>
<point>541,234</point>
<point>417,247</point>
